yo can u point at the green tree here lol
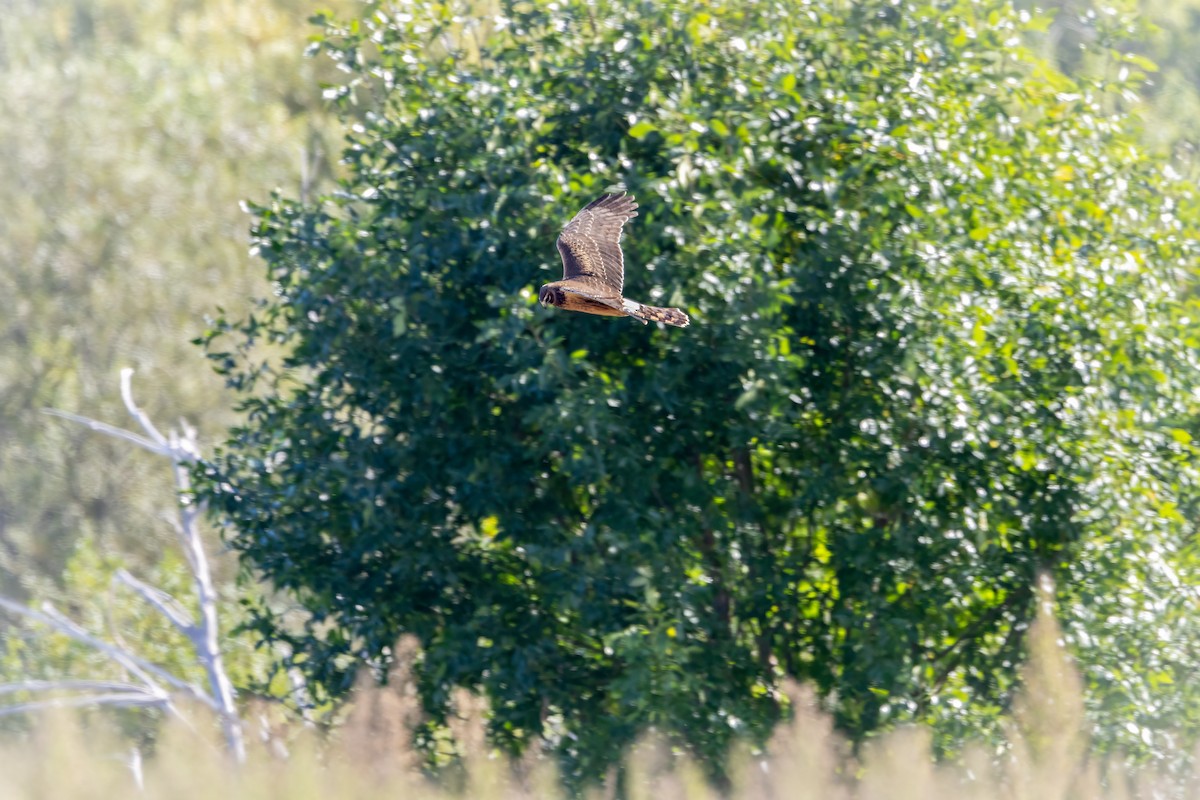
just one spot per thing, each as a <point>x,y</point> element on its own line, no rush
<point>938,345</point>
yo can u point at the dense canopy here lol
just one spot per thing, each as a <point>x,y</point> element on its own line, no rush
<point>940,342</point>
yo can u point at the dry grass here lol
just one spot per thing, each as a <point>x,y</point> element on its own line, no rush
<point>370,757</point>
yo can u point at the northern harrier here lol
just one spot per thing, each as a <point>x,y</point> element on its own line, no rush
<point>594,268</point>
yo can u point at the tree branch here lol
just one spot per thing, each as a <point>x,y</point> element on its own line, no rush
<point>111,430</point>
<point>68,686</point>
<point>139,667</point>
<point>116,700</point>
<point>205,632</point>
<point>137,413</point>
<point>182,449</point>
<point>163,602</point>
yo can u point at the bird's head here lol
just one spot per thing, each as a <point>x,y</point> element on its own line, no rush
<point>549,296</point>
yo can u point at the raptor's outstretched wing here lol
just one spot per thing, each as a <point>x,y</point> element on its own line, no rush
<point>590,244</point>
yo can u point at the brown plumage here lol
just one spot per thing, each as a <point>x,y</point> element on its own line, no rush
<point>594,267</point>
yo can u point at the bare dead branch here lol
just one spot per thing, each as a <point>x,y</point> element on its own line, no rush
<point>303,699</point>
<point>69,686</point>
<point>137,413</point>
<point>138,667</point>
<point>182,449</point>
<point>187,443</point>
<point>111,430</point>
<point>206,632</point>
<point>135,768</point>
<point>162,601</point>
<point>115,700</point>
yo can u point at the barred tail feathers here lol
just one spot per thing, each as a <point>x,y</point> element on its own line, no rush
<point>671,316</point>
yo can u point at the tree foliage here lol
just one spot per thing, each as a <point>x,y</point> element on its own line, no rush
<point>938,345</point>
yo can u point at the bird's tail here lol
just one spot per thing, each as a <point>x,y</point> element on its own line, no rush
<point>671,316</point>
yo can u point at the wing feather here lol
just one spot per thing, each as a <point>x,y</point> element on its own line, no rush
<point>590,244</point>
<point>593,290</point>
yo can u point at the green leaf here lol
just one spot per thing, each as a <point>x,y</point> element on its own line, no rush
<point>1139,61</point>
<point>641,129</point>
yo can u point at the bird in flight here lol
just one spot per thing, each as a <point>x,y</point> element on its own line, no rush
<point>594,267</point>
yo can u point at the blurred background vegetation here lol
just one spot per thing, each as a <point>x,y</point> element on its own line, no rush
<point>372,756</point>
<point>132,134</point>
